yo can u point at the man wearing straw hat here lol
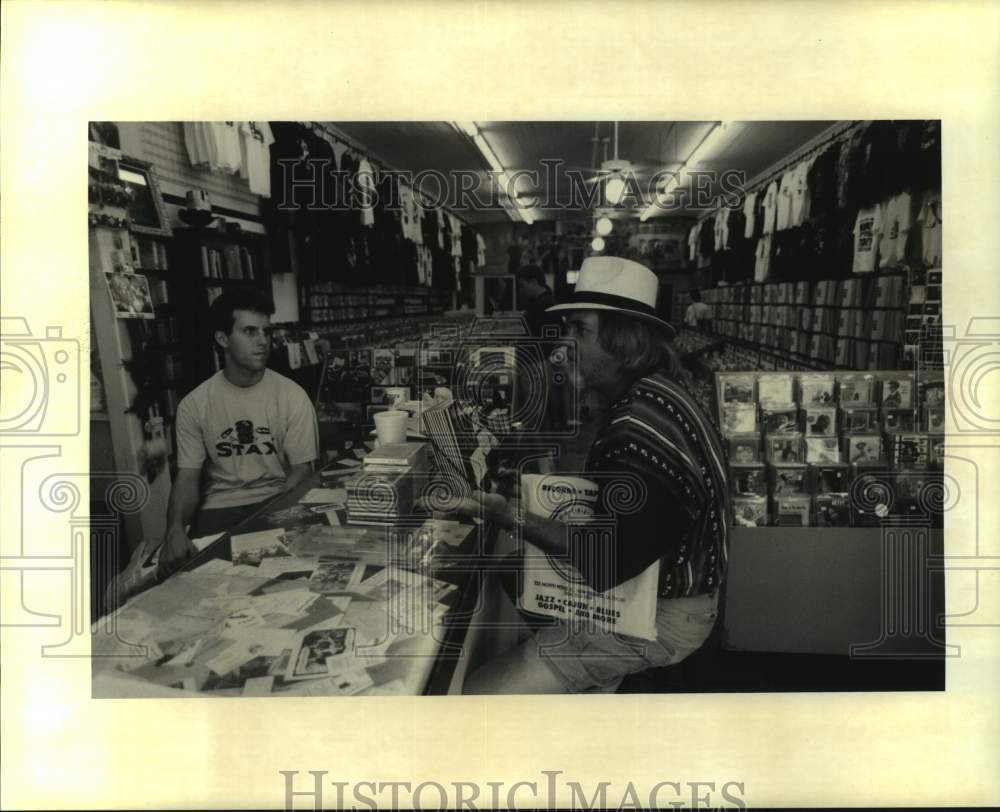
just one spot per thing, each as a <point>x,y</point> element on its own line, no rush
<point>651,429</point>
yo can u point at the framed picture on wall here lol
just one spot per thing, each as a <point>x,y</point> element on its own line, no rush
<point>146,214</point>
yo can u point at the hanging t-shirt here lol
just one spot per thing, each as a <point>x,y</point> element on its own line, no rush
<point>930,229</point>
<point>693,236</point>
<point>867,235</point>
<point>770,208</point>
<point>706,239</point>
<point>800,194</point>
<point>246,435</point>
<point>721,221</point>
<point>480,251</point>
<point>896,221</point>
<point>410,214</point>
<point>762,259</point>
<point>749,202</point>
<point>214,145</point>
<point>255,147</point>
<point>365,179</point>
<point>784,205</point>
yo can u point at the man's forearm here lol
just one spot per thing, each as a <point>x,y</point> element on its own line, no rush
<point>182,506</point>
<point>548,535</point>
<point>297,475</point>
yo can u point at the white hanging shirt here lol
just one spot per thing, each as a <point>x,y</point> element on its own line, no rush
<point>800,194</point>
<point>762,259</point>
<point>784,206</point>
<point>255,147</point>
<point>749,204</point>
<point>693,241</point>
<point>867,235</point>
<point>480,251</point>
<point>930,224</point>
<point>214,145</point>
<point>366,183</point>
<point>721,229</point>
<point>770,207</point>
<point>896,222</point>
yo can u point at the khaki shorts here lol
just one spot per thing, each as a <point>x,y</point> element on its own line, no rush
<point>587,659</point>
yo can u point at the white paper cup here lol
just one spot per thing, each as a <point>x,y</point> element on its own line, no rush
<point>390,426</point>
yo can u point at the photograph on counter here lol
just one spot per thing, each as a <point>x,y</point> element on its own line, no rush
<point>786,448</point>
<point>815,389</point>
<point>775,391</point>
<point>750,511</point>
<point>781,421</point>
<point>737,388</point>
<point>320,653</point>
<point>897,393</point>
<point>744,449</point>
<point>856,390</point>
<point>821,450</point>
<point>788,479</point>
<point>334,575</point>
<point>130,295</point>
<point>863,448</point>
<point>898,420</point>
<point>860,420</point>
<point>252,548</point>
<point>821,421</point>
<point>739,418</point>
<point>748,479</point>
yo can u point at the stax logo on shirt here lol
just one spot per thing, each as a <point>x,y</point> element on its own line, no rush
<point>866,234</point>
<point>244,439</point>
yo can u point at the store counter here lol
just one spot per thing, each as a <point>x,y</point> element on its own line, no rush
<point>232,626</point>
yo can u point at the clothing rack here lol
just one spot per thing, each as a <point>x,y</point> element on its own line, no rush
<point>328,131</point>
<point>812,147</point>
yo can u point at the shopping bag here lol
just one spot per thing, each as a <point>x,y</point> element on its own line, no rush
<point>553,587</point>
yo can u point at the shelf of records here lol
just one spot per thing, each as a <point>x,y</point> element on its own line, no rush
<point>328,304</point>
<point>832,450</point>
<point>357,383</point>
<point>874,323</point>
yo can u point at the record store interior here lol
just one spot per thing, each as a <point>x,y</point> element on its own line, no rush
<point>446,407</point>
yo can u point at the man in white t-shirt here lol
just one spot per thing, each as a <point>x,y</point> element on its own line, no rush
<point>698,314</point>
<point>252,431</point>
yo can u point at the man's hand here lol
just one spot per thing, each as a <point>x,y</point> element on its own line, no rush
<point>491,507</point>
<point>177,548</point>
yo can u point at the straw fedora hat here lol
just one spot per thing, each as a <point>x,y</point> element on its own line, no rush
<point>619,285</point>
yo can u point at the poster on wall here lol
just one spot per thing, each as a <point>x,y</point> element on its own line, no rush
<point>130,295</point>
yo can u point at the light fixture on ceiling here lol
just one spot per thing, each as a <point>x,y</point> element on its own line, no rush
<point>700,153</point>
<point>614,190</point>
<point>502,177</point>
<point>604,226</point>
<point>597,244</point>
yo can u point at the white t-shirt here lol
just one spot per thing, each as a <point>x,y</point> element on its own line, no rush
<point>785,190</point>
<point>749,202</point>
<point>214,145</point>
<point>867,236</point>
<point>930,224</point>
<point>366,184</point>
<point>770,207</point>
<point>693,241</point>
<point>247,436</point>
<point>480,251</point>
<point>800,193</point>
<point>896,222</point>
<point>255,143</point>
<point>721,229</point>
<point>697,311</point>
<point>762,261</point>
